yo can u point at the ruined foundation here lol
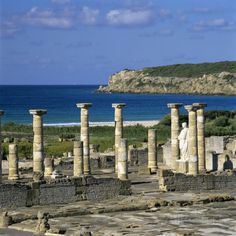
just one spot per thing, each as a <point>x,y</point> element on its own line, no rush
<point>57,191</point>
<point>170,181</point>
<point>69,190</point>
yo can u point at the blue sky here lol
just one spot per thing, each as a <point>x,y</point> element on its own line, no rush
<point>85,41</point>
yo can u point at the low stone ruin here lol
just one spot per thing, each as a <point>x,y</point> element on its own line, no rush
<point>175,172</point>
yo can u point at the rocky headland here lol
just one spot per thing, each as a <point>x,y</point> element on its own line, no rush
<point>206,78</point>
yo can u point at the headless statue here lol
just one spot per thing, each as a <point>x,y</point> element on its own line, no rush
<point>183,142</point>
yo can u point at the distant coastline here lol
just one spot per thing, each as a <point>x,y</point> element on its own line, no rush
<point>199,79</point>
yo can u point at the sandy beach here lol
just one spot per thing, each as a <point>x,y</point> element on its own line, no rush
<point>145,123</point>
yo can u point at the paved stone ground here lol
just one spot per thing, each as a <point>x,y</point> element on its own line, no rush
<point>147,212</point>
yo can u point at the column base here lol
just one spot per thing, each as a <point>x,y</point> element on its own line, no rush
<point>15,177</point>
<point>182,166</point>
<point>192,168</point>
<point>122,177</point>
<point>48,173</point>
<point>87,173</point>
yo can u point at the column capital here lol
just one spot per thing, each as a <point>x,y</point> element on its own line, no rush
<point>84,105</point>
<point>118,105</point>
<point>174,105</point>
<point>38,112</point>
<point>200,105</point>
<point>190,108</point>
<point>1,112</point>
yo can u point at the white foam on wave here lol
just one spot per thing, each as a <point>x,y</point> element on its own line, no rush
<point>109,123</point>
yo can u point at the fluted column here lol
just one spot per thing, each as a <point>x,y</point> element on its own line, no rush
<point>38,149</point>
<point>78,158</point>
<point>175,128</point>
<point>201,135</point>
<point>13,162</point>
<point>152,150</point>
<point>192,140</point>
<point>122,165</point>
<point>1,114</point>
<point>118,128</point>
<point>84,134</point>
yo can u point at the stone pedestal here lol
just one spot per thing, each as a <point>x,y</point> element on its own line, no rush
<point>38,150</point>
<point>49,166</point>
<point>78,158</point>
<point>201,136</point>
<point>175,128</point>
<point>1,114</point>
<point>13,162</point>
<point>182,166</point>
<point>192,140</point>
<point>152,150</point>
<point>122,165</point>
<point>118,128</point>
<point>84,134</point>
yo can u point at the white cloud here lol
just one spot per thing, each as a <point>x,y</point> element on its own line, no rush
<point>89,16</point>
<point>8,29</point>
<point>129,17</point>
<point>47,18</point>
<point>215,24</point>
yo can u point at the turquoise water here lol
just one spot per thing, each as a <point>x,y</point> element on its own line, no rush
<point>61,103</point>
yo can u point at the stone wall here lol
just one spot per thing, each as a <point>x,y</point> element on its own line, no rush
<point>61,191</point>
<point>12,195</point>
<point>215,143</point>
<point>220,153</point>
<point>170,181</point>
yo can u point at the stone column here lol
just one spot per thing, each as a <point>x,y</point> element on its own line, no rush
<point>13,162</point>
<point>122,165</point>
<point>192,140</point>
<point>78,158</point>
<point>84,134</point>
<point>118,128</point>
<point>49,166</point>
<point>38,150</point>
<point>175,128</point>
<point>201,136</point>
<point>152,150</point>
<point>1,114</point>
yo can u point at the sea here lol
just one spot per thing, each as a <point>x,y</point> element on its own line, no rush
<point>60,101</point>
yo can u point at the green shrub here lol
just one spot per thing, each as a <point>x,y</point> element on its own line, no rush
<point>67,136</point>
<point>191,70</point>
<point>221,121</point>
<point>166,120</point>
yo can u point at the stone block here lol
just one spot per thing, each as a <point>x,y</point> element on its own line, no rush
<point>216,144</point>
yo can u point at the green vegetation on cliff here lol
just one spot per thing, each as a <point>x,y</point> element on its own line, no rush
<point>191,70</point>
<point>204,78</point>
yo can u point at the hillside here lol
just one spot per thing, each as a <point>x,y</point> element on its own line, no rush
<point>204,78</point>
